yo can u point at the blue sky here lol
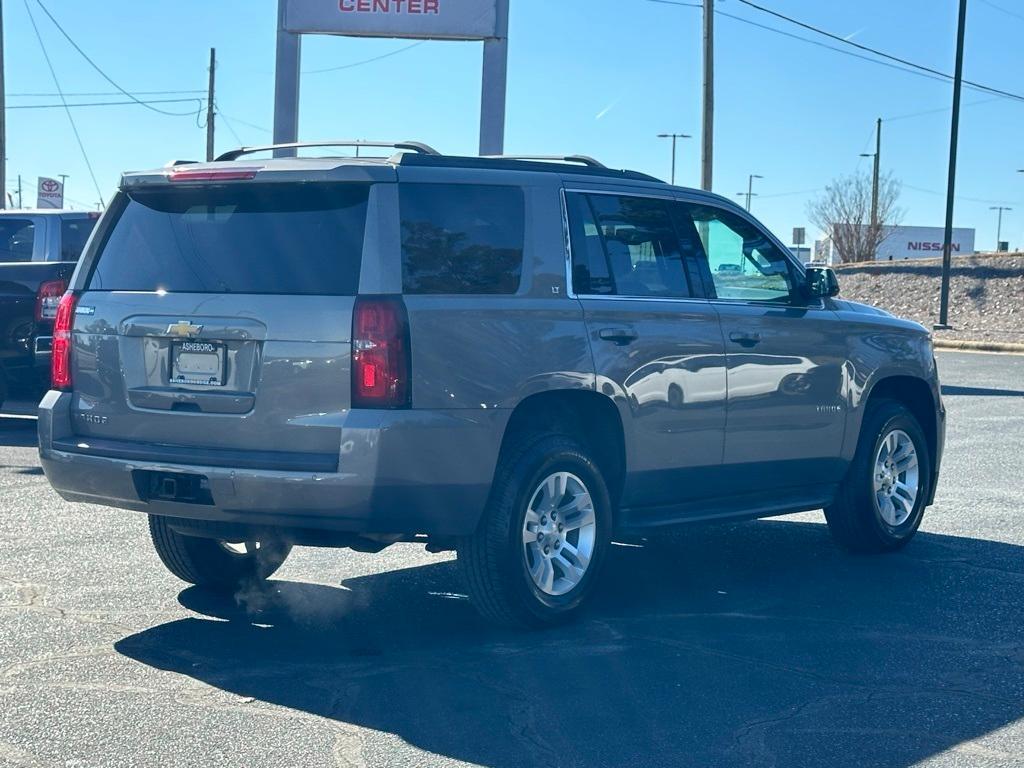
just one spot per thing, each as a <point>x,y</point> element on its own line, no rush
<point>601,77</point>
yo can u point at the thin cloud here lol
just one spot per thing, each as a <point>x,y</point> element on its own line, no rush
<point>607,109</point>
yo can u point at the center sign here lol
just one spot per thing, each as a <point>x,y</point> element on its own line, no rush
<point>424,19</point>
<point>477,20</point>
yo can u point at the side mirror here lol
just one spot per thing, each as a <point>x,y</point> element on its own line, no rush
<point>821,283</point>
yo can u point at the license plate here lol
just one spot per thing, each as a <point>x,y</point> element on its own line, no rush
<point>198,362</point>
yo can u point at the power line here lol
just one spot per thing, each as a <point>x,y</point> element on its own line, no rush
<point>56,82</point>
<point>372,59</point>
<point>133,102</point>
<point>227,122</point>
<point>103,74</point>
<point>1007,11</point>
<point>876,52</point>
<point>104,93</point>
<point>240,121</point>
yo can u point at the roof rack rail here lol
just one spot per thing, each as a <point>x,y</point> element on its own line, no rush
<point>581,159</point>
<point>411,146</point>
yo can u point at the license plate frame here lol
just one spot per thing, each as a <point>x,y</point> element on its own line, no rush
<point>205,363</point>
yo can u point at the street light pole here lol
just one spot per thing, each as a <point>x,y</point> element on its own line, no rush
<point>750,188</point>
<point>674,136</point>
<point>954,135</point>
<point>63,187</point>
<point>999,226</point>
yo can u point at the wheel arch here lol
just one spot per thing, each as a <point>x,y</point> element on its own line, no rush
<point>587,415</point>
<point>917,395</point>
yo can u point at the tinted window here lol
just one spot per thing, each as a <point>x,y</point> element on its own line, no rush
<point>73,235</point>
<point>461,238</point>
<point>625,245</point>
<point>271,238</point>
<point>16,239</point>
<point>744,263</point>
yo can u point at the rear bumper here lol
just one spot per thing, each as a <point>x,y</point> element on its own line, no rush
<point>399,472</point>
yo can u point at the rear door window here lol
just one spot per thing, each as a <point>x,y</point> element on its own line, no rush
<point>462,238</point>
<point>625,246</point>
<point>266,239</point>
<point>17,238</point>
<point>73,235</point>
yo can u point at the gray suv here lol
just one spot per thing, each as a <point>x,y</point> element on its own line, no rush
<point>520,359</point>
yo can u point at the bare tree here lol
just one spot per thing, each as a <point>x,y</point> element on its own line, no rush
<point>843,213</point>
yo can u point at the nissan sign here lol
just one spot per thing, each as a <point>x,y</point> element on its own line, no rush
<point>416,19</point>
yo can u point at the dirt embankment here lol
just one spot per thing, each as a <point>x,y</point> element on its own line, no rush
<point>986,298</point>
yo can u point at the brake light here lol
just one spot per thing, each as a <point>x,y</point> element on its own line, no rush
<point>224,174</point>
<point>60,360</point>
<point>48,299</point>
<point>381,363</point>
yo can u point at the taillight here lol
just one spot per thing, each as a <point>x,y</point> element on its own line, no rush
<point>381,369</point>
<point>48,299</point>
<point>215,174</point>
<point>60,361</point>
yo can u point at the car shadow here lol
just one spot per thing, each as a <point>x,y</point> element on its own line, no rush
<point>18,433</point>
<point>753,644</point>
<point>951,390</point>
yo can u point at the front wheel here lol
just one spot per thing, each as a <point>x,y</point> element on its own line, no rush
<point>881,502</point>
<point>537,551</point>
<point>211,562</point>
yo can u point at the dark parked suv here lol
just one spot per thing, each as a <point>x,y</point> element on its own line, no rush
<point>519,359</point>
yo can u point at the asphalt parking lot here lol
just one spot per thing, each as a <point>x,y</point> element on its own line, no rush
<point>756,644</point>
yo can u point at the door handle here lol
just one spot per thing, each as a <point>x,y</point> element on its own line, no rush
<point>745,339</point>
<point>620,336</point>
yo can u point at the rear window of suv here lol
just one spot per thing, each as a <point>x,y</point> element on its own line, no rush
<point>461,238</point>
<point>270,239</point>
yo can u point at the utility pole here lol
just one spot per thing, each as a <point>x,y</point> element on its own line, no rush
<point>63,187</point>
<point>3,117</point>
<point>210,111</point>
<point>875,177</point>
<point>20,204</point>
<point>750,188</point>
<point>954,136</point>
<point>707,151</point>
<point>673,136</point>
<point>999,226</point>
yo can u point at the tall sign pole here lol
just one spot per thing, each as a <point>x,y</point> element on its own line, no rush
<point>3,117</point>
<point>708,134</point>
<point>954,135</point>
<point>286,83</point>
<point>494,86</point>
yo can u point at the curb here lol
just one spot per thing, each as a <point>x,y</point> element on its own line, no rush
<point>979,346</point>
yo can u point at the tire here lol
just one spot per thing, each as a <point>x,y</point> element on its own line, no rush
<point>211,562</point>
<point>860,520</point>
<point>497,560</point>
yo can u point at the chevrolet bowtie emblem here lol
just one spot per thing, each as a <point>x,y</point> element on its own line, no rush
<point>184,328</point>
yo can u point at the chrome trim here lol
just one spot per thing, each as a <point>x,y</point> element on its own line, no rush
<point>664,195</point>
<point>683,196</point>
<point>570,291</point>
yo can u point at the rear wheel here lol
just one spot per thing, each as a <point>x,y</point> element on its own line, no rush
<point>213,562</point>
<point>537,551</point>
<point>881,502</point>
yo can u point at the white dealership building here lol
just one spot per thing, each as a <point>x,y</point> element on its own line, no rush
<point>907,243</point>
